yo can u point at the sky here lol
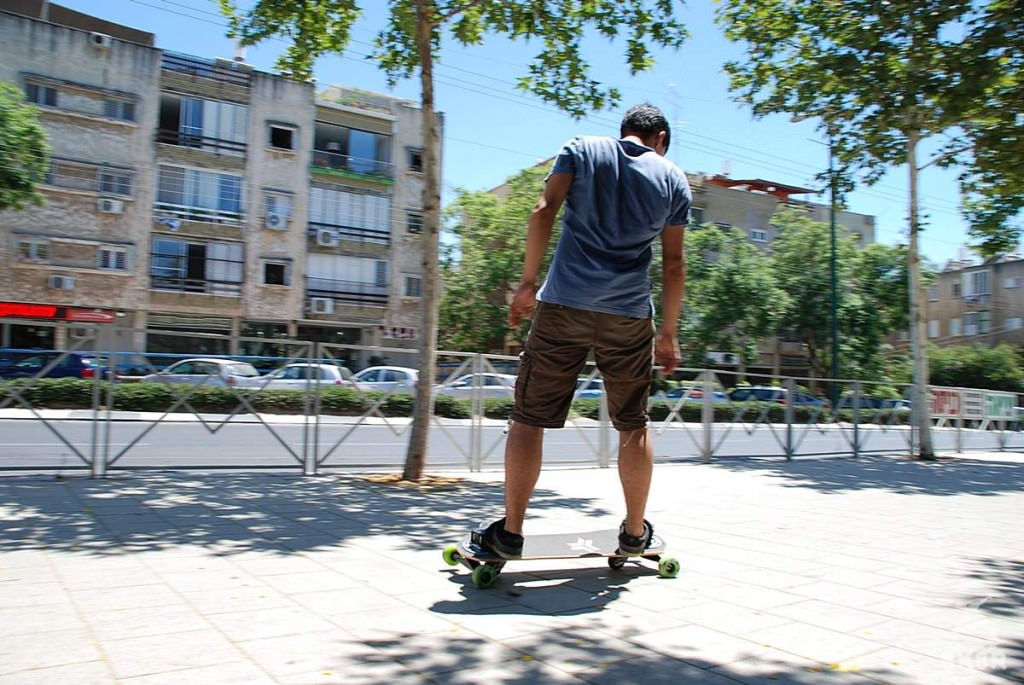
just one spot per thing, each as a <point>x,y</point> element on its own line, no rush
<point>493,130</point>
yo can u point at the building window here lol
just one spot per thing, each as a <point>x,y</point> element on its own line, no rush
<point>416,160</point>
<point>413,222</point>
<point>115,182</point>
<point>278,210</point>
<point>197,267</point>
<point>347,149</point>
<point>956,327</point>
<point>971,323</point>
<point>955,290</point>
<point>199,195</point>
<point>413,286</point>
<point>113,258</point>
<point>933,292</point>
<point>1013,323</point>
<point>119,109</point>
<point>759,236</point>
<point>41,95</point>
<point>219,127</point>
<point>282,137</point>
<point>277,272</point>
<point>976,283</point>
<point>984,322</point>
<point>933,328</point>
<point>696,216</point>
<point>363,217</point>
<point>381,274</point>
<point>723,225</point>
<point>1013,282</point>
<point>33,251</point>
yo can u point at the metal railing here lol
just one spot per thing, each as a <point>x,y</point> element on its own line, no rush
<point>352,292</point>
<point>206,68</point>
<point>349,233</point>
<point>154,420</point>
<point>335,161</point>
<point>198,141</point>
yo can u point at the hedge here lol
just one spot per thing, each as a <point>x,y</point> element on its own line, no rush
<point>74,393</point>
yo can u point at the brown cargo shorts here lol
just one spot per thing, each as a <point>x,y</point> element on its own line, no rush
<point>556,352</point>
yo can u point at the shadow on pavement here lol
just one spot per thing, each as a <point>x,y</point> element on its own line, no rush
<point>894,474</point>
<point>231,513</point>
<point>1001,598</point>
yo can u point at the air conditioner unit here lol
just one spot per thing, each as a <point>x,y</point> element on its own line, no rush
<point>100,40</point>
<point>321,305</point>
<point>60,283</point>
<point>326,237</point>
<point>109,206</point>
<point>277,221</point>
<point>333,146</point>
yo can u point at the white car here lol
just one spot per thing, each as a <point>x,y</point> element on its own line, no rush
<point>387,379</point>
<point>489,386</point>
<point>303,375</point>
<point>208,372</point>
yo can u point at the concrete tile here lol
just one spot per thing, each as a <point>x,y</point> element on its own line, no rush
<point>132,597</point>
<point>934,642</point>
<point>32,594</point>
<point>575,649</point>
<point>293,655</point>
<point>836,617</point>
<point>699,646</point>
<point>38,619</point>
<point>730,618</point>
<point>22,652</point>
<point>236,673</point>
<point>331,602</point>
<point>386,623</point>
<point>145,621</point>
<point>87,673</point>
<point>901,667</point>
<point>316,581</point>
<point>774,667</point>
<point>256,624</point>
<point>235,599</point>
<point>814,642</point>
<point>651,669</point>
<point>156,654</point>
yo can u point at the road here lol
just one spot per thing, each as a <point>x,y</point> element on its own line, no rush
<point>135,444</point>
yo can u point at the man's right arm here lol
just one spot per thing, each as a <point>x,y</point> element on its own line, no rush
<point>538,235</point>
<point>673,268</point>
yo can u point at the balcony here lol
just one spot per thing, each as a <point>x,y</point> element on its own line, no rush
<point>191,285</point>
<point>216,70</point>
<point>348,237</point>
<point>346,166</point>
<point>171,215</point>
<point>197,141</point>
<point>348,292</point>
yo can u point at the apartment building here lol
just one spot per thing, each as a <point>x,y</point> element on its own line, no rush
<point>195,195</point>
<point>977,303</point>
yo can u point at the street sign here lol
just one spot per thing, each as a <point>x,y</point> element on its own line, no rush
<point>946,403</point>
<point>999,406</point>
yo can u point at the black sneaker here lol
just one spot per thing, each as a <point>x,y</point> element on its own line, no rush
<point>503,543</point>
<point>631,544</point>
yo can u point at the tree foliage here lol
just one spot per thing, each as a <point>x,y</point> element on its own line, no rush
<point>882,73</point>
<point>486,263</point>
<point>733,298</point>
<point>992,368</point>
<point>24,150</point>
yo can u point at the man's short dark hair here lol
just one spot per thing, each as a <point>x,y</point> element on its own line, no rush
<point>645,120</point>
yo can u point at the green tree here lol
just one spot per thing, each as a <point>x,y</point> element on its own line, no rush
<point>485,265</point>
<point>992,368</point>
<point>874,305</point>
<point>883,76</point>
<point>411,42</point>
<point>733,298</point>
<point>803,271</point>
<point>24,150</point>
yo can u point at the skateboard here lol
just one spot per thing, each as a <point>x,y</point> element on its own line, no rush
<point>486,565</point>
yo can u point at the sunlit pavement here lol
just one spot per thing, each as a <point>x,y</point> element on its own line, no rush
<point>813,571</point>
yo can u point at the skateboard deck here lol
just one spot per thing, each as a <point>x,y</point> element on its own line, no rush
<point>486,565</point>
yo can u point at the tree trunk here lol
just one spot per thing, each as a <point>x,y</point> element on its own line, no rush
<point>918,329</point>
<point>416,455</point>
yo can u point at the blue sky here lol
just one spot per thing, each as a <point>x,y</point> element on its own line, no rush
<point>493,130</point>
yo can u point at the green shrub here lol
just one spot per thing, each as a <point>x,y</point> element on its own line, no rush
<point>343,402</point>
<point>451,408</point>
<point>143,397</point>
<point>498,409</point>
<point>588,408</point>
<point>52,393</point>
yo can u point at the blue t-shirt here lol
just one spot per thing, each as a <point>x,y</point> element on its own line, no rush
<point>621,197</point>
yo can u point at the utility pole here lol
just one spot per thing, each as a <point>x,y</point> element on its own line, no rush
<point>833,269</point>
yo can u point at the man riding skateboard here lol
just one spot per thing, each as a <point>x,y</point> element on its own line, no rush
<point>619,195</point>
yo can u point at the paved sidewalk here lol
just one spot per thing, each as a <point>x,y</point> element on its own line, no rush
<point>816,571</point>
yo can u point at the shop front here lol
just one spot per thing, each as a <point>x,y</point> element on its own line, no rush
<point>29,326</point>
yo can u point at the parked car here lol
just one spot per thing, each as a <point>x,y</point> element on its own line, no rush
<point>387,379</point>
<point>69,365</point>
<point>210,372</point>
<point>862,403</point>
<point>589,389</point>
<point>768,393</point>
<point>489,386</point>
<point>695,395</point>
<point>303,375</point>
<point>899,405</point>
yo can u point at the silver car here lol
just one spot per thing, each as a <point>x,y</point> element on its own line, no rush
<point>387,379</point>
<point>210,372</point>
<point>489,386</point>
<point>303,375</point>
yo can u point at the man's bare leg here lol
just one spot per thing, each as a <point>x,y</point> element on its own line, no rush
<point>523,454</point>
<point>636,465</point>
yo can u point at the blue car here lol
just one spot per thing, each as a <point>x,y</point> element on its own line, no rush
<point>70,365</point>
